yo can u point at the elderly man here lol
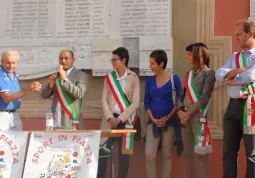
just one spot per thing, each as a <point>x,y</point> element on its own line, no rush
<point>10,93</point>
<point>68,86</point>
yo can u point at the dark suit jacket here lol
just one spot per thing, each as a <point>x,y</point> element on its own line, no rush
<point>205,83</point>
<point>75,86</point>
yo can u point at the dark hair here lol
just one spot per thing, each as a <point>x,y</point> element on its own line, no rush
<point>200,55</point>
<point>248,26</point>
<point>159,56</point>
<point>122,53</point>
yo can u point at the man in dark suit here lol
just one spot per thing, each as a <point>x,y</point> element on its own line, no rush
<point>68,86</point>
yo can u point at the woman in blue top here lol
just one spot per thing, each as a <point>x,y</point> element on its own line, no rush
<point>160,107</point>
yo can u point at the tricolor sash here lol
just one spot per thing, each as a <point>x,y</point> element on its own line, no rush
<point>123,103</point>
<point>247,92</point>
<point>241,60</point>
<point>66,105</point>
<point>203,140</point>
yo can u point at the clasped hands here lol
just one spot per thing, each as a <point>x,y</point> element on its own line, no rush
<point>160,122</point>
<point>114,122</point>
<point>35,86</point>
<point>184,117</point>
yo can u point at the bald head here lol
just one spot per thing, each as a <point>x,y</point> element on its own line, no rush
<point>67,51</point>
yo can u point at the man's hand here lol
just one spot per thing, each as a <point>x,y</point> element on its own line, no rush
<point>113,122</point>
<point>62,73</point>
<point>234,72</point>
<point>232,82</point>
<point>35,86</point>
<point>52,79</point>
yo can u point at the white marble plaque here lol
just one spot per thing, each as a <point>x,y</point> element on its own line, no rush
<point>41,60</point>
<point>132,45</point>
<point>138,18</point>
<point>252,10</point>
<point>56,20</point>
<point>149,44</point>
<point>40,29</point>
<point>102,53</point>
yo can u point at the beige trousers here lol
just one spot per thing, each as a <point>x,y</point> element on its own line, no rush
<point>188,135</point>
<point>151,149</point>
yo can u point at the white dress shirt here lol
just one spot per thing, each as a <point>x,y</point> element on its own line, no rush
<point>245,77</point>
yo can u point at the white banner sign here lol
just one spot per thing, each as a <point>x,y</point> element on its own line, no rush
<point>12,153</point>
<point>62,155</point>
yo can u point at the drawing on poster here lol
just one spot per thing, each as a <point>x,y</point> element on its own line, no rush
<point>63,166</point>
<point>3,166</point>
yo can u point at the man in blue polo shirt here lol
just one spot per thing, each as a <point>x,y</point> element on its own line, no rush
<point>10,92</point>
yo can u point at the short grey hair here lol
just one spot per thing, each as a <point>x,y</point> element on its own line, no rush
<point>9,53</point>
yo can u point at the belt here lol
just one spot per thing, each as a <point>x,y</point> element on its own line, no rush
<point>7,110</point>
<point>237,100</point>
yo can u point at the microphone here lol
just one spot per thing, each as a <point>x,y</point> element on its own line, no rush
<point>60,67</point>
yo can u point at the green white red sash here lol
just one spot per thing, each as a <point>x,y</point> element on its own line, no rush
<point>123,103</point>
<point>203,140</point>
<point>249,114</point>
<point>241,60</point>
<point>66,105</point>
<point>247,92</point>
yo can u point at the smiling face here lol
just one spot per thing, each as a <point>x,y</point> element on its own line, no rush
<point>9,62</point>
<point>154,66</point>
<point>117,62</point>
<point>190,58</point>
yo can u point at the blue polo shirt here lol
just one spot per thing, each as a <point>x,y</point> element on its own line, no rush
<point>11,85</point>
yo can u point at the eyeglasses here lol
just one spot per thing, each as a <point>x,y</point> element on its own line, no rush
<point>64,58</point>
<point>114,60</point>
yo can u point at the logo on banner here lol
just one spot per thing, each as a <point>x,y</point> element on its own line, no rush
<point>201,137</point>
<point>3,166</point>
<point>62,155</point>
<point>250,111</point>
<point>63,166</point>
<point>12,153</point>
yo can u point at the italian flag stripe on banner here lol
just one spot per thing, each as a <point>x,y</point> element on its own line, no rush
<point>203,141</point>
<point>66,104</point>
<point>247,92</point>
<point>123,103</point>
<point>249,108</point>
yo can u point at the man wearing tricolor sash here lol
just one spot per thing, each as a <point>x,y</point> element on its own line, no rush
<point>68,86</point>
<point>199,84</point>
<point>239,119</point>
<point>120,100</point>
